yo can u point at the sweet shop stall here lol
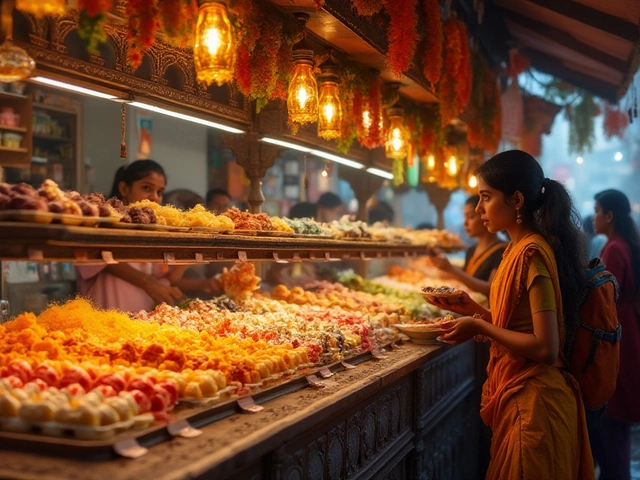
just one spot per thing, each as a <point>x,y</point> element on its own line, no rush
<point>339,377</point>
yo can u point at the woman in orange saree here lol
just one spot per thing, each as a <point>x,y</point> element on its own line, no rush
<point>531,403</point>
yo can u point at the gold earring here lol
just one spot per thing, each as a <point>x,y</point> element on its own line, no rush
<point>518,216</point>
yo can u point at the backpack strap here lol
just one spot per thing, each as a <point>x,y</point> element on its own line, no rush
<point>599,335</point>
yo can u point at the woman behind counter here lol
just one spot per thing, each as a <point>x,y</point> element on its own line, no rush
<point>132,287</point>
<point>621,255</point>
<point>531,403</point>
<point>482,259</point>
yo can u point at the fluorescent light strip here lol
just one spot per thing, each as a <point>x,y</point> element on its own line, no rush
<point>380,173</point>
<point>72,88</point>
<point>188,118</point>
<point>337,159</point>
<point>280,143</point>
<point>317,153</point>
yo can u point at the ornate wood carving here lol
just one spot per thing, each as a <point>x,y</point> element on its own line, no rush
<point>358,444</point>
<point>51,41</point>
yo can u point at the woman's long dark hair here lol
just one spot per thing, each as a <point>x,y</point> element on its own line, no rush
<point>617,202</point>
<point>134,172</point>
<point>548,205</point>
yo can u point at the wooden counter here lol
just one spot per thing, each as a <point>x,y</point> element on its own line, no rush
<point>411,415</point>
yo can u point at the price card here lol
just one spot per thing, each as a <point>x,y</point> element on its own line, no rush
<point>348,366</point>
<point>130,448</point>
<point>315,382</point>
<point>248,405</point>
<point>378,354</point>
<point>181,428</point>
<point>324,372</point>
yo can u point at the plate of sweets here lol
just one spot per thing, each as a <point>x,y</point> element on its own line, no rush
<point>424,332</point>
<point>450,294</point>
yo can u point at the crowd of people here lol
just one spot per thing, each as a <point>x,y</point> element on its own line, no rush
<point>530,401</point>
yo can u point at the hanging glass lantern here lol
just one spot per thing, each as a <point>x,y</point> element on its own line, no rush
<point>397,144</point>
<point>214,51</point>
<point>15,63</point>
<point>329,105</point>
<point>430,172</point>
<point>452,166</point>
<point>302,94</point>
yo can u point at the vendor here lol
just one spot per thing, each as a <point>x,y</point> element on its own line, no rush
<point>132,287</point>
<point>482,259</point>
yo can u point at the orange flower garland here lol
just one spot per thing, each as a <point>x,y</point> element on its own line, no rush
<point>402,34</point>
<point>371,135</point>
<point>465,72</point>
<point>178,19</point>
<point>433,42</point>
<point>367,8</point>
<point>452,62</point>
<point>142,24</point>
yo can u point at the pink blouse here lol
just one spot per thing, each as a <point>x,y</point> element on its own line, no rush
<point>109,291</point>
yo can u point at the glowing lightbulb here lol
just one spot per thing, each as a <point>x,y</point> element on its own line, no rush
<point>397,141</point>
<point>329,111</point>
<point>618,156</point>
<point>212,41</point>
<point>303,96</point>
<point>452,165</point>
<point>431,162</point>
<point>324,173</point>
<point>473,181</point>
<point>579,160</point>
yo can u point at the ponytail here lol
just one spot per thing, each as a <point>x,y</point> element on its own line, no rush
<point>134,172</point>
<point>559,223</point>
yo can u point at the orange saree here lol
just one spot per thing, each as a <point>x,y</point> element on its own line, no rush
<point>534,410</point>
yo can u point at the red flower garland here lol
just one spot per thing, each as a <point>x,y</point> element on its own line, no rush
<point>452,61</point>
<point>370,136</point>
<point>142,25</point>
<point>243,69</point>
<point>615,122</point>
<point>402,34</point>
<point>178,19</point>
<point>93,8</point>
<point>465,73</point>
<point>433,42</point>
<point>367,8</point>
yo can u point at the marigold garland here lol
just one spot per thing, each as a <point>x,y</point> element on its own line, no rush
<point>367,8</point>
<point>178,19</point>
<point>485,110</point>
<point>349,81</point>
<point>142,24</point>
<point>371,136</point>
<point>93,16</point>
<point>465,72</point>
<point>402,34</point>
<point>433,41</point>
<point>452,61</point>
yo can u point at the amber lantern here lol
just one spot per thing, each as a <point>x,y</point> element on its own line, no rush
<point>302,94</point>
<point>214,51</point>
<point>15,63</point>
<point>329,107</point>
<point>429,170</point>
<point>397,144</point>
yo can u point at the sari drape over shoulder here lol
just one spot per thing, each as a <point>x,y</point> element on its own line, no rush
<point>534,410</point>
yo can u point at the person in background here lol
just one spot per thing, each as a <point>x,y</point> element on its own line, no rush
<point>532,404</point>
<point>425,226</point>
<point>330,207</point>
<point>303,210</point>
<point>595,241</point>
<point>203,280</point>
<point>482,259</point>
<point>621,255</point>
<point>183,199</point>
<point>381,212</point>
<point>132,287</point>
<point>218,200</point>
